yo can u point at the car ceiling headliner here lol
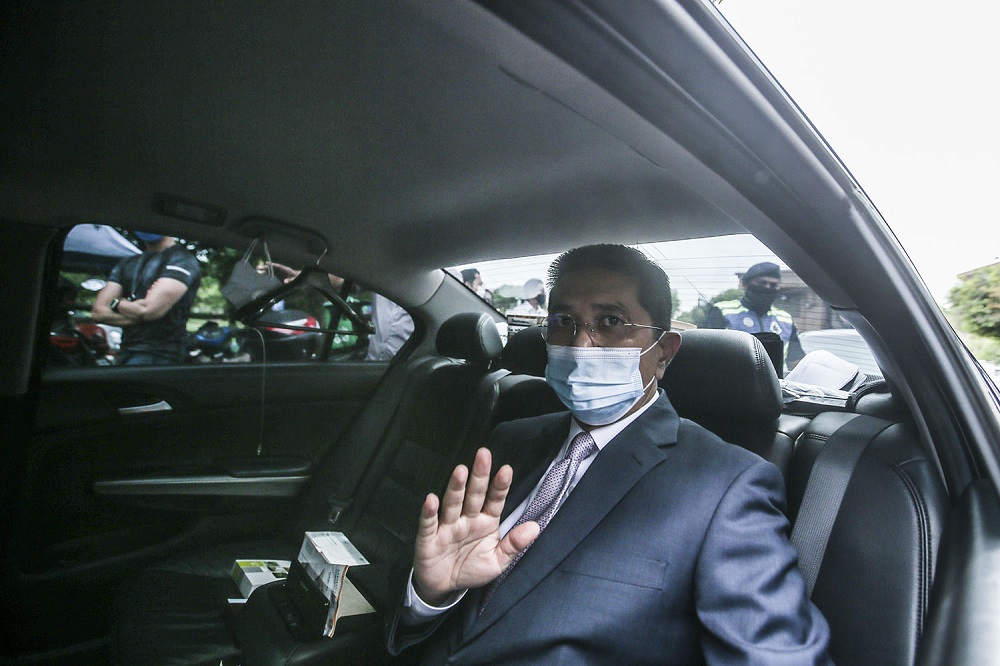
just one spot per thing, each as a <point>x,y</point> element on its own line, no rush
<point>408,135</point>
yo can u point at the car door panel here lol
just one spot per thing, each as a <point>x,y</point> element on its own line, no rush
<point>109,477</point>
<point>964,602</point>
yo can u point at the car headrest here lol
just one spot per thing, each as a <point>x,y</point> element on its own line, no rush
<point>472,336</point>
<point>877,399</point>
<point>722,373</point>
<point>525,353</point>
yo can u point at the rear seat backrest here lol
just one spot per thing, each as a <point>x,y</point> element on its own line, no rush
<point>524,392</point>
<point>878,565</point>
<point>428,433</point>
<point>334,482</point>
<point>724,381</point>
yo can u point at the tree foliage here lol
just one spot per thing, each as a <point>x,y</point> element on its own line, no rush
<point>977,301</point>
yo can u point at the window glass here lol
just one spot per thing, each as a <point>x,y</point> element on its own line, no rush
<point>709,280</point>
<point>169,308</point>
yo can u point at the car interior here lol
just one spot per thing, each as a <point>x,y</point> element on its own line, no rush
<point>384,145</point>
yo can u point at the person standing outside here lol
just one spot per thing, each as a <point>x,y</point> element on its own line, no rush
<point>393,327</point>
<point>616,533</point>
<point>534,300</point>
<point>755,312</point>
<point>150,296</point>
<point>474,281</point>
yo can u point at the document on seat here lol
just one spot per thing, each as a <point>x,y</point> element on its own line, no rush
<point>821,368</point>
<point>326,557</point>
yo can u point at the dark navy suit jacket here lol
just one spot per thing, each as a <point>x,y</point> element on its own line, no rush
<point>672,549</point>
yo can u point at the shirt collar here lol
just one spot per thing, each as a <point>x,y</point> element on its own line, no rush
<point>604,434</point>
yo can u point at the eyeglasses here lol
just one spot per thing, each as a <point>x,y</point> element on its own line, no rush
<point>606,331</point>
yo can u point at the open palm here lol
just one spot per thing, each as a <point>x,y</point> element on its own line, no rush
<point>458,542</point>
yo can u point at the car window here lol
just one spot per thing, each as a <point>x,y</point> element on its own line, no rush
<point>708,278</point>
<point>192,321</point>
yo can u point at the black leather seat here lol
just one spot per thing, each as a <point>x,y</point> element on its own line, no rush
<point>175,612</point>
<point>724,381</point>
<point>878,565</point>
<point>524,392</point>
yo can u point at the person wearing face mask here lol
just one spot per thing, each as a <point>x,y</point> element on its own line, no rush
<point>755,311</point>
<point>474,281</point>
<point>616,533</point>
<point>534,299</point>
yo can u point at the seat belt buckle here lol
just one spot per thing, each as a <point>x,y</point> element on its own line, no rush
<point>337,507</point>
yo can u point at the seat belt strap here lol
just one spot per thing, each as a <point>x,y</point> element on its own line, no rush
<point>831,472</point>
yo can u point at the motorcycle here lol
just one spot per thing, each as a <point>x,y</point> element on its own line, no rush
<point>76,341</point>
<point>214,343</point>
<point>268,341</point>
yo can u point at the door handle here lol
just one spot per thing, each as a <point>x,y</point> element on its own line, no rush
<point>161,406</point>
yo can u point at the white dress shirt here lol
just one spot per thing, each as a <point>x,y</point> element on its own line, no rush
<point>393,327</point>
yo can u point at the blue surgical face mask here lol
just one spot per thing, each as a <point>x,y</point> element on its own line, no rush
<point>598,384</point>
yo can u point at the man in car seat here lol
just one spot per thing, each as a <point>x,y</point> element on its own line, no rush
<point>150,296</point>
<point>618,533</point>
<point>755,312</point>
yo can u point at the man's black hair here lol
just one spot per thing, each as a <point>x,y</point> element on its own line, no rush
<point>654,285</point>
<point>469,275</point>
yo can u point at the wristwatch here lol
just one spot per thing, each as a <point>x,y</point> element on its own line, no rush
<point>114,304</point>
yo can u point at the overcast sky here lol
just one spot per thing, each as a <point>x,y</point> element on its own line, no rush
<point>907,95</point>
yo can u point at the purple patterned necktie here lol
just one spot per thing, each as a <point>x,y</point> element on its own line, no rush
<point>543,505</point>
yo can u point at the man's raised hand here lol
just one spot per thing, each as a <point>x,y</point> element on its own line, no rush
<point>458,542</point>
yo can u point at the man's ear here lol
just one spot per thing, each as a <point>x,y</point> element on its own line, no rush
<point>668,346</point>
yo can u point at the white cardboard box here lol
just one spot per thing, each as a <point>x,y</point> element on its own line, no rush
<point>251,574</point>
<point>326,556</point>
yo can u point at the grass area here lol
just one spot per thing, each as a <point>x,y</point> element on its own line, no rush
<point>983,348</point>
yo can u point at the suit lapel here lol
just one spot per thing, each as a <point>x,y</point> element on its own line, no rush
<point>619,466</point>
<point>530,458</point>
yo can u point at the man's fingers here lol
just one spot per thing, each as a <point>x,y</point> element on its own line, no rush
<point>451,504</point>
<point>497,495</point>
<point>428,517</point>
<point>517,539</point>
<point>467,490</point>
<point>479,481</point>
